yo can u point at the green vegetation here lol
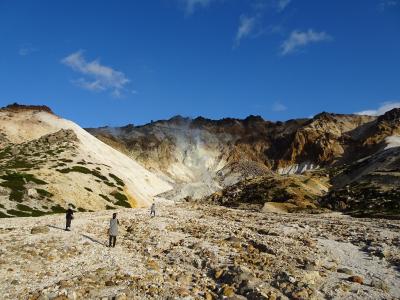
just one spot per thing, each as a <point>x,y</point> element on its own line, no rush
<point>80,209</point>
<point>84,170</point>
<point>109,183</point>
<point>18,213</point>
<point>119,196</point>
<point>5,152</point>
<point>44,193</point>
<point>58,209</point>
<point>109,207</point>
<point>105,197</point>
<point>23,207</point>
<point>19,164</point>
<point>3,215</point>
<point>66,160</point>
<point>16,182</point>
<point>122,200</point>
<point>37,213</point>
<point>118,180</point>
<point>50,152</point>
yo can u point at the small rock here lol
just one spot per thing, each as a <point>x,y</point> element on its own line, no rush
<point>152,264</point>
<point>300,295</point>
<point>345,271</point>
<point>228,291</point>
<point>109,283</point>
<point>121,296</point>
<point>356,279</point>
<point>218,273</point>
<point>309,243</point>
<point>311,277</point>
<point>380,284</point>
<point>40,229</point>
<point>309,267</point>
<point>63,284</point>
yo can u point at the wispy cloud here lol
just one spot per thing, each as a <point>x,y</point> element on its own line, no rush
<point>98,77</point>
<point>279,107</point>
<point>385,106</point>
<point>247,25</point>
<point>299,39</point>
<point>191,5</point>
<point>282,4</point>
<point>386,4</point>
<point>27,49</point>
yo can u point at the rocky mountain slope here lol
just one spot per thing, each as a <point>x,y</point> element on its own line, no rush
<point>47,162</point>
<point>200,252</point>
<point>200,157</point>
<point>275,192</point>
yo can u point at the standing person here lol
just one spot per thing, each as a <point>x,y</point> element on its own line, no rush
<point>69,216</point>
<point>153,210</point>
<point>113,230</point>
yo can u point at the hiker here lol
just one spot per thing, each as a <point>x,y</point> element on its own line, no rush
<point>113,230</point>
<point>153,210</point>
<point>69,216</point>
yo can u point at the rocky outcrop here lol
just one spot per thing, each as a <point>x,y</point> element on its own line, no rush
<point>15,107</point>
<point>368,187</point>
<point>300,191</point>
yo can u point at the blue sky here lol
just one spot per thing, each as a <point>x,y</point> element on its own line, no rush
<point>117,62</point>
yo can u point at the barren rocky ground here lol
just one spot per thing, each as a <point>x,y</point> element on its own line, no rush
<point>191,251</point>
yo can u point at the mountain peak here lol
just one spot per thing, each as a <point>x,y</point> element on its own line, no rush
<point>391,115</point>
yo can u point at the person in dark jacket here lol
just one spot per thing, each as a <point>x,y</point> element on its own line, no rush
<point>69,216</point>
<point>153,210</point>
<point>113,230</point>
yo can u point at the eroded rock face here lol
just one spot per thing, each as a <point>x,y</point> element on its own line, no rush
<point>323,140</point>
<point>201,157</point>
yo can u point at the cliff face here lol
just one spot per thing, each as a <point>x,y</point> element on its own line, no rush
<point>324,140</point>
<point>201,156</point>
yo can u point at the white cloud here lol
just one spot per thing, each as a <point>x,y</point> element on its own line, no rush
<point>26,50</point>
<point>246,27</point>
<point>191,5</point>
<point>281,4</point>
<point>385,106</point>
<point>97,76</point>
<point>299,39</point>
<point>279,107</point>
<point>385,4</point>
